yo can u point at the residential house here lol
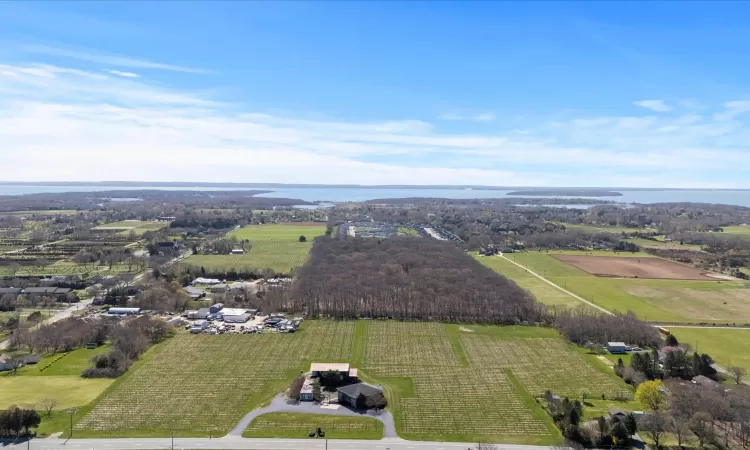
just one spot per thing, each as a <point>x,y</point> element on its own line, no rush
<point>617,414</point>
<point>7,363</point>
<point>218,288</point>
<point>348,395</point>
<point>194,292</point>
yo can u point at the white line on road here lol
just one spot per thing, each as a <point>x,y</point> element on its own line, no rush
<point>577,297</point>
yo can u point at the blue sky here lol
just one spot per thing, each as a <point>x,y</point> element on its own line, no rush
<point>532,93</point>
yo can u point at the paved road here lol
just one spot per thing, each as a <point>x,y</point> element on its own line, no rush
<point>577,297</point>
<point>242,443</point>
<point>279,404</point>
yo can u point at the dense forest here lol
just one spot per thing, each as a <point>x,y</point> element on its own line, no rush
<point>411,279</point>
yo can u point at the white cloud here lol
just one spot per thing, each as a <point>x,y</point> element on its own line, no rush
<point>653,105</point>
<point>123,74</point>
<point>733,109</point>
<point>483,117</point>
<point>114,60</point>
<point>71,124</point>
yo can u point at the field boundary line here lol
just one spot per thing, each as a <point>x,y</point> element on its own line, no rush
<point>577,297</point>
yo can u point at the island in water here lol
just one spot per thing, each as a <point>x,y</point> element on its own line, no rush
<point>568,193</point>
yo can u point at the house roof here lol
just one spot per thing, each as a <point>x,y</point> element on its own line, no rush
<point>325,367</point>
<point>10,291</point>
<point>355,390</point>
<point>616,344</point>
<point>616,412</point>
<point>32,359</point>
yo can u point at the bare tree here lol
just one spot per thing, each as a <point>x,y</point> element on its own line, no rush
<point>655,426</point>
<point>737,373</point>
<point>48,404</point>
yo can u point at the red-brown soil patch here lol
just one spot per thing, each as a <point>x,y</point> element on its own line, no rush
<point>634,267</point>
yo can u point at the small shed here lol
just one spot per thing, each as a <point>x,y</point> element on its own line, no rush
<point>617,347</point>
<point>238,251</point>
<point>30,360</point>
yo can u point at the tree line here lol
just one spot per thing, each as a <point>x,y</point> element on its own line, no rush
<point>409,279</point>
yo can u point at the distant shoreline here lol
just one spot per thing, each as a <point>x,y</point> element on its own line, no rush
<point>585,191</point>
<point>566,193</point>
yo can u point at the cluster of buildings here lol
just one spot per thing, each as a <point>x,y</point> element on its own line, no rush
<point>349,393</point>
<point>49,291</point>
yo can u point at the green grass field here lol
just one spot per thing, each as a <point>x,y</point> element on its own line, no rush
<point>72,363</point>
<point>137,226</point>
<point>543,292</point>
<point>742,230</point>
<point>442,382</point>
<point>69,391</point>
<point>407,231</point>
<point>280,232</point>
<point>607,229</point>
<point>275,247</point>
<point>674,245</point>
<point>728,347</point>
<point>299,425</point>
<point>651,299</point>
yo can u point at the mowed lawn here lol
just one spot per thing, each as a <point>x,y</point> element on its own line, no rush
<point>137,226</point>
<point>652,300</point>
<point>276,247</point>
<point>728,346</point>
<point>742,230</point>
<point>299,425</point>
<point>544,292</point>
<point>442,382</point>
<point>69,391</point>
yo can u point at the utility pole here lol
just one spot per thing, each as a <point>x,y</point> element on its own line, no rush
<point>172,438</point>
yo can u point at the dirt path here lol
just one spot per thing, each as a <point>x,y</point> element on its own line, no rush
<point>577,297</point>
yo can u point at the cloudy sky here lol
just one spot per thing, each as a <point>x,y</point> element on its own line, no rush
<point>543,94</point>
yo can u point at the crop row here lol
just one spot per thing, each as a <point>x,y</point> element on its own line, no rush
<point>476,401</point>
<point>541,365</point>
<point>204,382</point>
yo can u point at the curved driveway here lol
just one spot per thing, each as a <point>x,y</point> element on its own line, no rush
<point>279,404</point>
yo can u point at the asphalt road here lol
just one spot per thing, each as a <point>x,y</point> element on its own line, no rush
<point>242,443</point>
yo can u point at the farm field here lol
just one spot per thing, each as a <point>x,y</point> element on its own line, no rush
<point>68,268</point>
<point>651,299</point>
<point>419,364</point>
<point>728,347</point>
<point>275,247</point>
<point>291,425</point>
<point>55,212</point>
<point>233,373</point>
<point>543,292</point>
<point>629,267</point>
<point>492,401</point>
